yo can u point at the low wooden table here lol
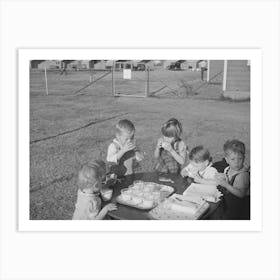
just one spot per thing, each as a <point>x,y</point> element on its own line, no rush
<point>130,213</point>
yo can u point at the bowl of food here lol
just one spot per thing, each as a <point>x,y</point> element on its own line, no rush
<point>148,188</point>
<point>156,196</point>
<point>147,203</point>
<point>136,192</point>
<point>138,183</point>
<point>148,196</point>
<point>137,187</point>
<point>136,199</point>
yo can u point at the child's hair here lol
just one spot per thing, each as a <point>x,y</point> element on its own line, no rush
<point>172,128</point>
<point>199,154</point>
<point>234,146</point>
<point>125,126</point>
<point>90,173</point>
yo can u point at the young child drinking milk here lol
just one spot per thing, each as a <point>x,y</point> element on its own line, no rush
<point>170,151</point>
<point>88,205</point>
<point>123,151</point>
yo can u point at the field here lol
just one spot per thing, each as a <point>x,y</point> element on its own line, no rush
<point>67,129</point>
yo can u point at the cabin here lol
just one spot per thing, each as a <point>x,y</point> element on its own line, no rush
<point>42,64</point>
<point>234,76</point>
<point>109,64</point>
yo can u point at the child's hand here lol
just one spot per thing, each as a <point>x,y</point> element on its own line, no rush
<point>159,143</point>
<point>110,207</point>
<point>221,179</point>
<point>223,183</point>
<point>166,146</point>
<point>129,146</point>
<point>220,176</point>
<point>184,172</point>
<point>197,178</point>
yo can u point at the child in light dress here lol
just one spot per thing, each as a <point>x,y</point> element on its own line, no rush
<point>88,205</point>
<point>170,151</point>
<point>123,151</point>
<point>236,181</point>
<point>200,167</point>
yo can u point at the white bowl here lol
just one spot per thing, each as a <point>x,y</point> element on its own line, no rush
<point>148,196</point>
<point>136,200</point>
<point>147,203</point>
<point>147,189</point>
<point>156,195</point>
<point>126,196</point>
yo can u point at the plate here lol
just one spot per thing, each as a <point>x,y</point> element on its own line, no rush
<point>150,191</point>
<point>135,205</point>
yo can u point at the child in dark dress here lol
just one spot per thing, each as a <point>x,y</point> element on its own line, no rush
<point>236,182</point>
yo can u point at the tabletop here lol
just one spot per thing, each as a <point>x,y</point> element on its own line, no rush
<point>130,213</point>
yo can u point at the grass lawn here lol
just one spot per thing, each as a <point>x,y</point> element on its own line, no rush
<point>55,159</point>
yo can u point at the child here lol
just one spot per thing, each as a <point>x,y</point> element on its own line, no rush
<point>236,181</point>
<point>88,205</point>
<point>170,151</point>
<point>200,167</point>
<point>122,151</point>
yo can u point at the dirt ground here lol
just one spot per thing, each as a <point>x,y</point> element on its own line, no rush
<point>67,131</point>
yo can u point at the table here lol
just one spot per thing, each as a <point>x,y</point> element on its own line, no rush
<point>130,213</point>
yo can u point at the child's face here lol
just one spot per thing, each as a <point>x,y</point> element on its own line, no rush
<point>124,137</point>
<point>200,166</point>
<point>235,160</point>
<point>97,186</point>
<point>169,140</point>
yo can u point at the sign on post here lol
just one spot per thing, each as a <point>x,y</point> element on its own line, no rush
<point>127,74</point>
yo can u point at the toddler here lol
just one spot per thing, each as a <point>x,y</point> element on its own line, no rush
<point>88,205</point>
<point>170,151</point>
<point>200,167</point>
<point>236,181</point>
<point>123,151</point>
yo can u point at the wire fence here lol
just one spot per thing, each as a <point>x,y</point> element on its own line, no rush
<point>147,82</point>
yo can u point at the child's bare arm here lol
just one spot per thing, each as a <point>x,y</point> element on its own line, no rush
<point>181,155</point>
<point>103,212</point>
<point>179,158</point>
<point>240,185</point>
<point>114,155</point>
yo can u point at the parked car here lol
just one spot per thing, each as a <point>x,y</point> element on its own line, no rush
<point>140,67</point>
<point>175,65</point>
